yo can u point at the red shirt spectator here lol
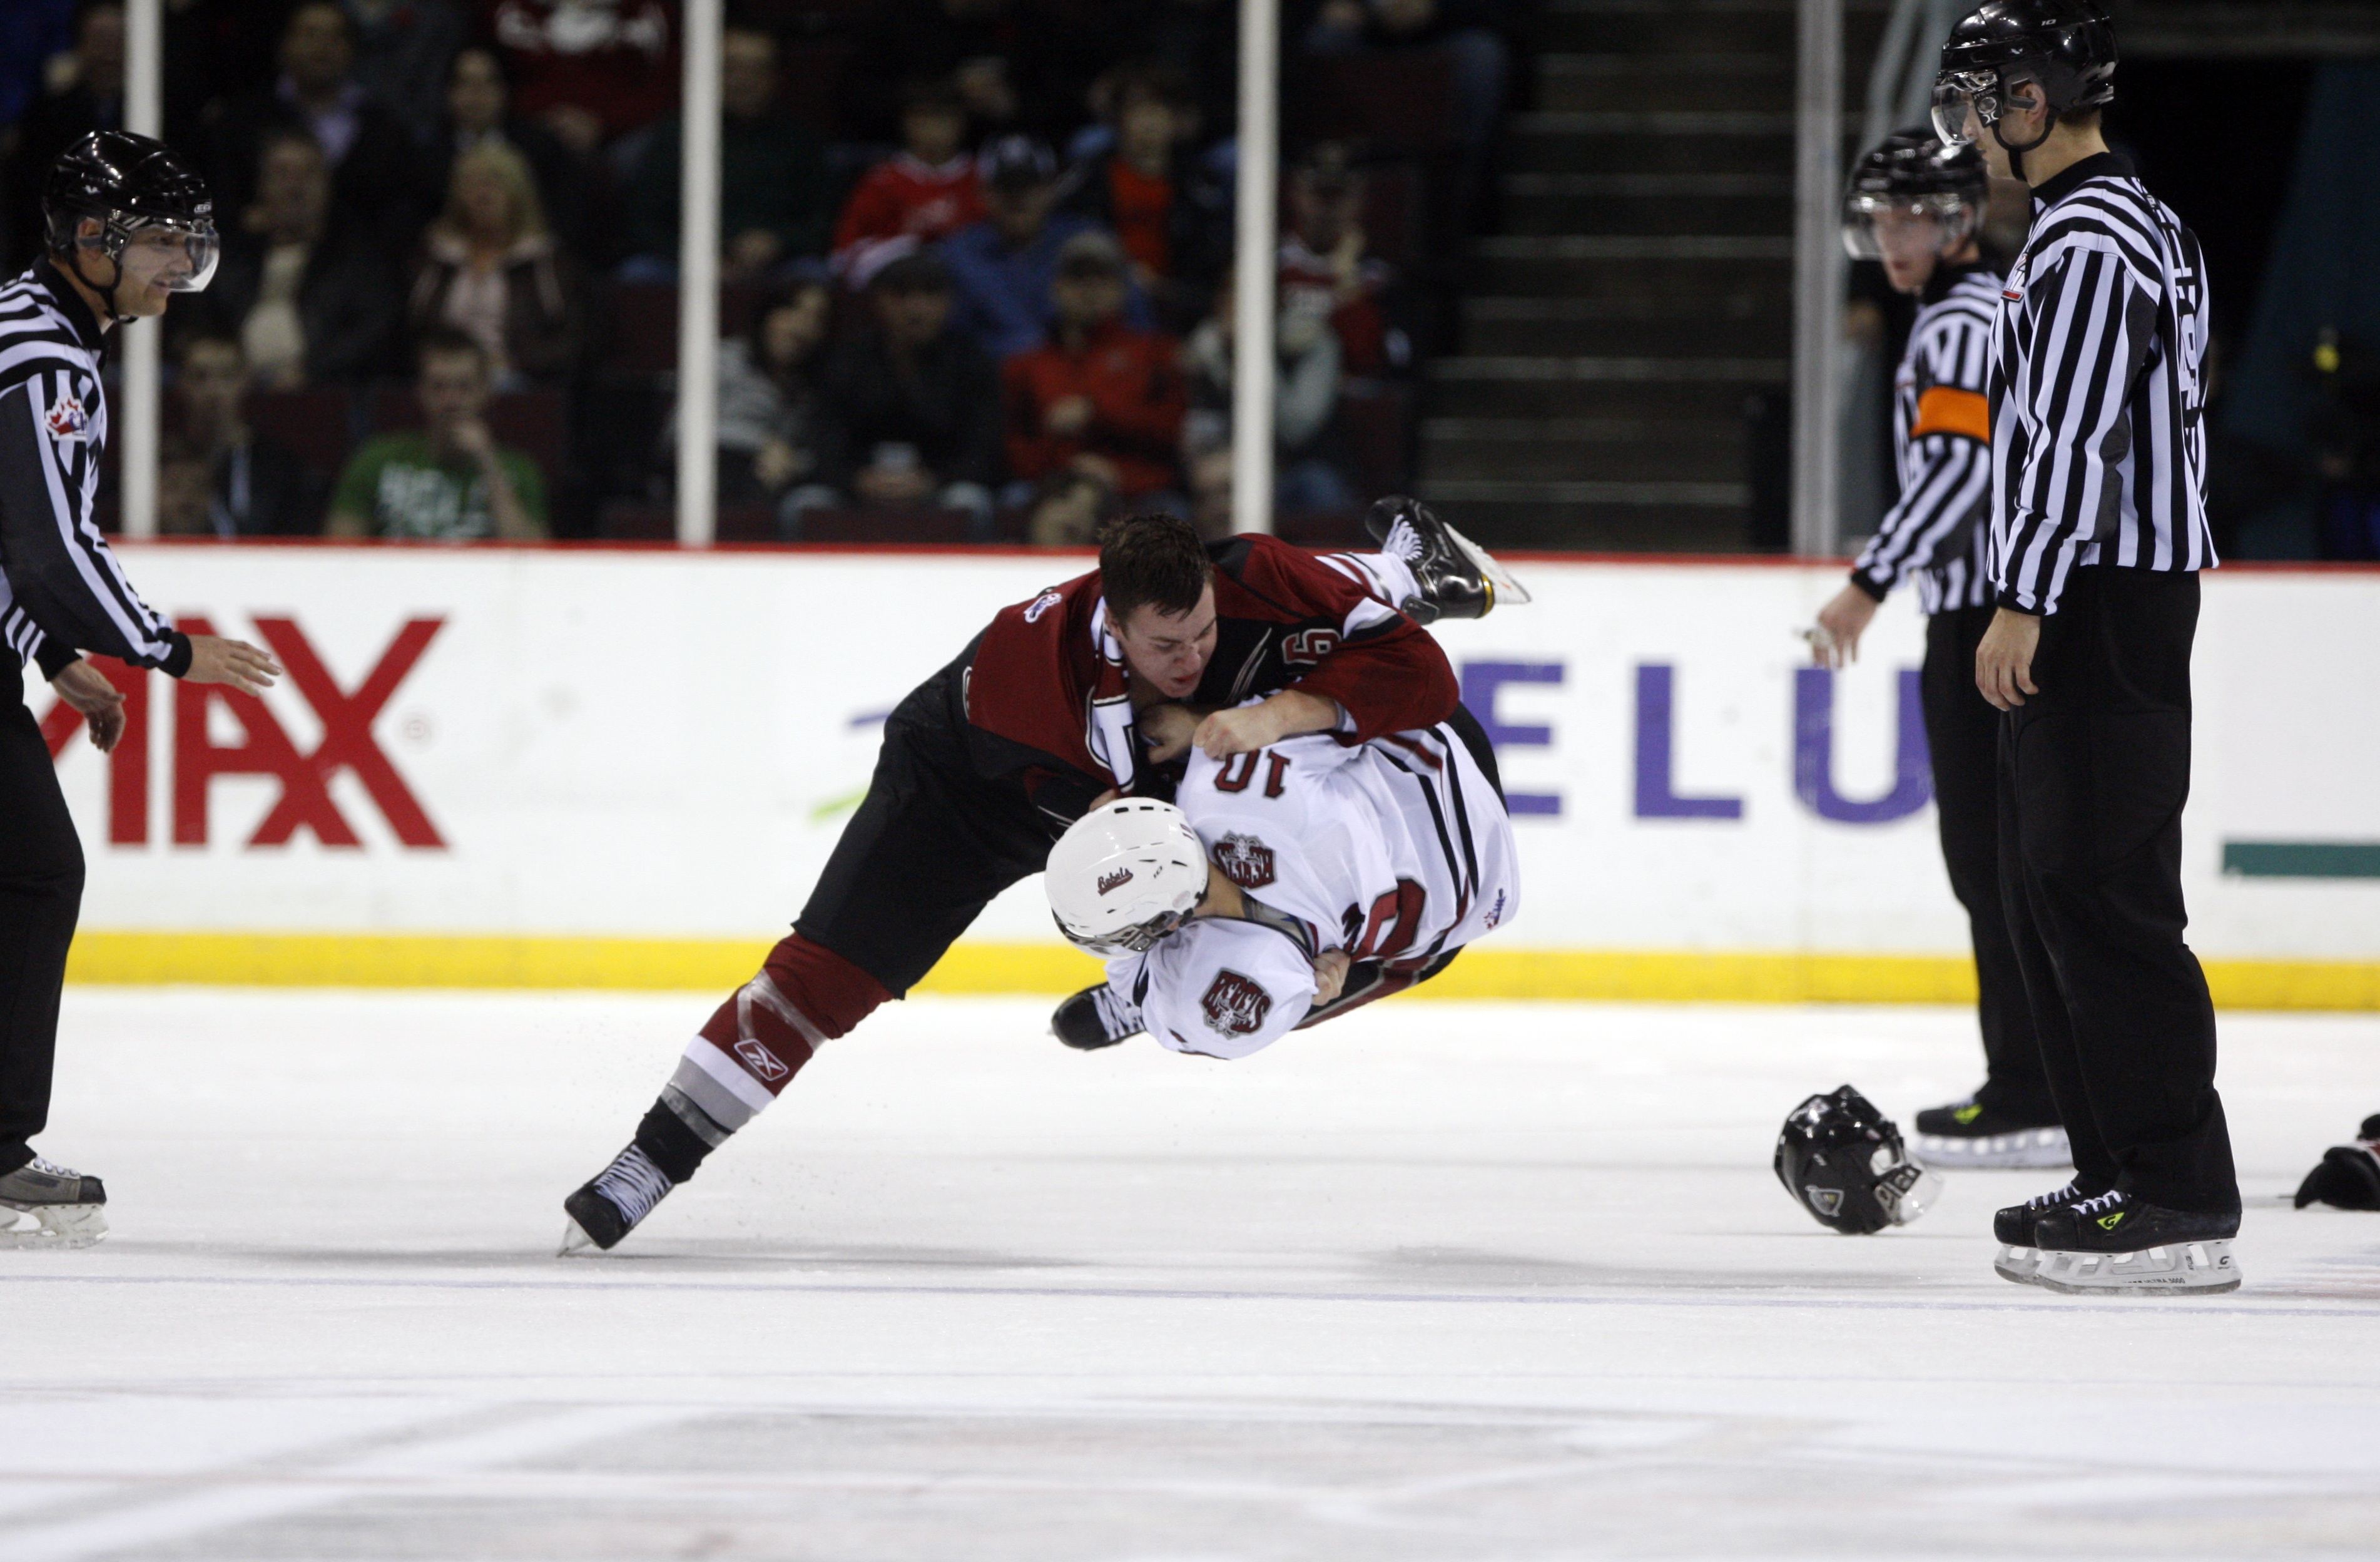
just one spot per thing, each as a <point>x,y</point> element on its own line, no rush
<point>1172,217</point>
<point>928,190</point>
<point>1324,269</point>
<point>1098,397</point>
<point>591,70</point>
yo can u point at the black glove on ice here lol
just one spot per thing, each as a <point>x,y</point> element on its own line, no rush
<point>2349,1177</point>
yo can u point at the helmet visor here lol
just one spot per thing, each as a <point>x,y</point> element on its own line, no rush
<point>1876,225</point>
<point>1138,939</point>
<point>179,257</point>
<point>1964,101</point>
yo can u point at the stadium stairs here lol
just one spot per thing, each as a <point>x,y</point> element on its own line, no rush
<point>1622,336</point>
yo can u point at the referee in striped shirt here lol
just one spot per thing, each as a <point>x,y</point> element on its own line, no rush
<point>127,226</point>
<point>2098,533</point>
<point>1915,205</point>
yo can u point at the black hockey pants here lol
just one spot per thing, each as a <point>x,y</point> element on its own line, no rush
<point>1962,735</point>
<point>2094,771</point>
<point>41,892</point>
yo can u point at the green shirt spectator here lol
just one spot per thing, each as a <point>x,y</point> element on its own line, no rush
<point>410,492</point>
<point>450,482</point>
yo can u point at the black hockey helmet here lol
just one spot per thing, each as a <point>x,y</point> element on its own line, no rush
<point>1844,1161</point>
<point>2065,48</point>
<point>1914,173</point>
<point>131,184</point>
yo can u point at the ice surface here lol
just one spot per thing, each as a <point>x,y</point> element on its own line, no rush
<point>1433,1282</point>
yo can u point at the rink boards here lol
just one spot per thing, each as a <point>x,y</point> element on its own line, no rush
<point>625,767</point>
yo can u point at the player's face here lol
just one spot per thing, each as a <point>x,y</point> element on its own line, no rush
<point>1169,651</point>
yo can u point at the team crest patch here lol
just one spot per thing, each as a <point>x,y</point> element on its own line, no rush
<point>766,1064</point>
<point>67,419</point>
<point>1041,604</point>
<point>1234,1006</point>
<point>1245,861</point>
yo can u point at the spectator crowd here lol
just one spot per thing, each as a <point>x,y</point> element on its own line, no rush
<point>976,256</point>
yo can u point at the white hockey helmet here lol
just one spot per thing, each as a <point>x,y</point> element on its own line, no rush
<point>1125,876</point>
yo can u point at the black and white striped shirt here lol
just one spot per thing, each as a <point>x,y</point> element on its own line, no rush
<point>2098,402</point>
<point>1941,439</point>
<point>62,589</point>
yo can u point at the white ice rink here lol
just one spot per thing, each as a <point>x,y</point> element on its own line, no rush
<point>1435,1282</point>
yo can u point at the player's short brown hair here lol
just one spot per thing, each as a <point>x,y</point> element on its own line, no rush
<point>1152,560</point>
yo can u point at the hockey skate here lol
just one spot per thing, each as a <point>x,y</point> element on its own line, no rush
<point>2116,1244</point>
<point>2015,1227</point>
<point>68,1209</point>
<point>1458,578</point>
<point>614,1202</point>
<point>1968,1133</point>
<point>1095,1018</point>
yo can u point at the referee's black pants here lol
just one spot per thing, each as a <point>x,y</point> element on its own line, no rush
<point>41,892</point>
<point>1962,737</point>
<point>2094,771</point>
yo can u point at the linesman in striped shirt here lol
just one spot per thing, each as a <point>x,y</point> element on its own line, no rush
<point>1917,205</point>
<point>2098,533</point>
<point>127,226</point>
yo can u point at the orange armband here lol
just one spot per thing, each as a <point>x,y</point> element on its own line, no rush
<point>1948,409</point>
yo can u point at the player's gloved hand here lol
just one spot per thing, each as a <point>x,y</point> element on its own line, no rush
<point>2349,1177</point>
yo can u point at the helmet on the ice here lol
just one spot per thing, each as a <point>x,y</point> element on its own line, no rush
<point>1844,1161</point>
<point>1125,876</point>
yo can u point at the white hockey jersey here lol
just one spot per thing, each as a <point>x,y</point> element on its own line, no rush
<point>1396,851</point>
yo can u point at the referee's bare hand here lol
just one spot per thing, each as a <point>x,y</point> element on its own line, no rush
<point>1841,624</point>
<point>98,702</point>
<point>2004,659</point>
<point>215,659</point>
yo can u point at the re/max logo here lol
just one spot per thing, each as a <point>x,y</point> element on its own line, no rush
<point>266,749</point>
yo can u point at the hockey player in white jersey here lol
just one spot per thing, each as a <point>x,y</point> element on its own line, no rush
<point>1289,886</point>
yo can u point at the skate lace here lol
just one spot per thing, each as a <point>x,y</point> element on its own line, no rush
<point>2099,1205</point>
<point>48,1167</point>
<point>1404,542</point>
<point>1117,1016</point>
<point>2065,1195</point>
<point>633,1183</point>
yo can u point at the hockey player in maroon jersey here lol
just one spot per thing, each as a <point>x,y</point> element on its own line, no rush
<point>987,762</point>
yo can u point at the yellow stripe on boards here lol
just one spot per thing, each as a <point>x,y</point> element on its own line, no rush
<point>314,960</point>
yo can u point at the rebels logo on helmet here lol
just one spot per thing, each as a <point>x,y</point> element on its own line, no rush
<point>1111,883</point>
<point>1245,861</point>
<point>1234,1006</point>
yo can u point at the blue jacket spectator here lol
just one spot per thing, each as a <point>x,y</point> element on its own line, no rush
<point>1000,268</point>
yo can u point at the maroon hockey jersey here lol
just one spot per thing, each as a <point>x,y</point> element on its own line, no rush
<point>1040,679</point>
